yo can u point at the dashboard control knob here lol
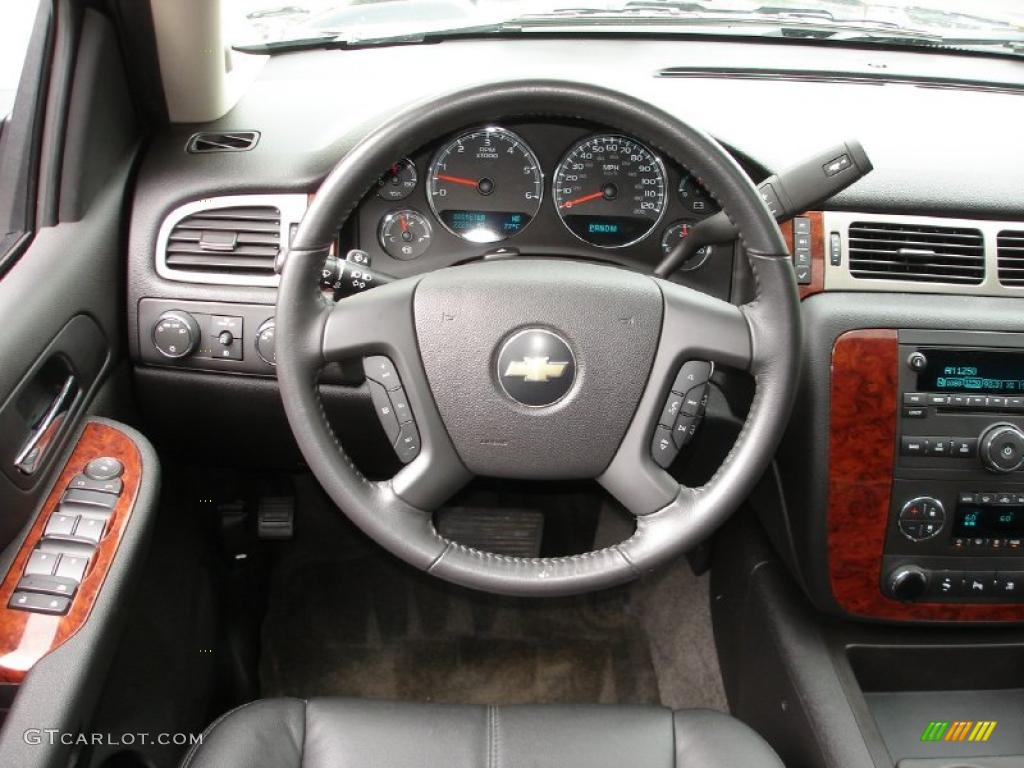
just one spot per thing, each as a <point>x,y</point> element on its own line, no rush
<point>916,361</point>
<point>265,342</point>
<point>908,582</point>
<point>1001,448</point>
<point>176,334</point>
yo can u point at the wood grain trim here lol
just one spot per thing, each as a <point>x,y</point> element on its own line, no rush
<point>817,284</point>
<point>862,444</point>
<point>26,637</point>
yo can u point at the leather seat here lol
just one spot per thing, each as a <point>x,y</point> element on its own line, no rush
<point>346,733</point>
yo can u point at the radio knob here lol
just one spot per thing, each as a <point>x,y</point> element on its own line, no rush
<point>176,334</point>
<point>908,582</point>
<point>1001,448</point>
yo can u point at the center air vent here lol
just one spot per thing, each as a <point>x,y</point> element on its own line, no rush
<point>225,141</point>
<point>1010,249</point>
<point>917,253</point>
<point>238,240</point>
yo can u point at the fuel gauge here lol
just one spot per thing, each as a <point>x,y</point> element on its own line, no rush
<point>405,234</point>
<point>398,181</point>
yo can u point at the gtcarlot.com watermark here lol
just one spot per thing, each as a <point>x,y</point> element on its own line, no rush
<point>52,736</point>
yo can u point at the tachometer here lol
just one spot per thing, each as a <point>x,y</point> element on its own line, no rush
<point>610,190</point>
<point>485,185</point>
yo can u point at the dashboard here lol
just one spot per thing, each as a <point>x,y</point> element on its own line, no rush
<point>931,241</point>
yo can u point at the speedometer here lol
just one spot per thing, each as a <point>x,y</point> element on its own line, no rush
<point>485,185</point>
<point>610,190</point>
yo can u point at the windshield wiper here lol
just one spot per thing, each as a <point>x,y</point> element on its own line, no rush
<point>676,16</point>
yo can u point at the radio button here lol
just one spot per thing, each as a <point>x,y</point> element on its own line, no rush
<point>998,403</point>
<point>1002,448</point>
<point>977,401</point>
<point>914,398</point>
<point>964,447</point>
<point>912,446</point>
<point>937,446</point>
<point>958,401</point>
<point>1015,403</point>
<point>915,413</point>
<point>938,399</point>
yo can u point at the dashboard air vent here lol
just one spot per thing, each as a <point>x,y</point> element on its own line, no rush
<point>917,253</point>
<point>1010,248</point>
<point>235,141</point>
<point>241,240</point>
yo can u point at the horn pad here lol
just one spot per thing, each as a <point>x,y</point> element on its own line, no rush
<point>537,365</point>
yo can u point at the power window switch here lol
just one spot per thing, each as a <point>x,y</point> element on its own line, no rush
<point>48,585</point>
<point>90,529</point>
<point>60,524</point>
<point>86,498</point>
<point>72,567</point>
<point>83,483</point>
<point>41,563</point>
<point>33,601</point>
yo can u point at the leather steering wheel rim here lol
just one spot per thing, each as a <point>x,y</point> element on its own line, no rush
<point>762,337</point>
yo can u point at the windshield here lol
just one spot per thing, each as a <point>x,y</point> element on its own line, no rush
<point>256,24</point>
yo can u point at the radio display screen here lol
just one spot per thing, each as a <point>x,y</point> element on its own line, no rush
<point>995,522</point>
<point>976,371</point>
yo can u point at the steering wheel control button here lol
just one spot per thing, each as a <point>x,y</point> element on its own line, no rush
<point>663,447</point>
<point>381,370</point>
<point>536,367</point>
<point>104,468</point>
<point>922,518</point>
<point>84,483</point>
<point>692,373</point>
<point>684,429</point>
<point>673,407</point>
<point>385,411</point>
<point>407,446</point>
<point>695,400</point>
<point>400,404</point>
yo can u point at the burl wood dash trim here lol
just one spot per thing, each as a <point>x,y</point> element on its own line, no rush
<point>862,445</point>
<point>817,284</point>
<point>27,637</point>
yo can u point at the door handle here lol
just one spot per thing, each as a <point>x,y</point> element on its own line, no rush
<point>32,453</point>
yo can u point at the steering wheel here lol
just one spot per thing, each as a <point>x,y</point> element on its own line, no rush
<point>458,338</point>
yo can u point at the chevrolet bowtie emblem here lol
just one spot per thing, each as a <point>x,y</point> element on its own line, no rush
<point>536,369</point>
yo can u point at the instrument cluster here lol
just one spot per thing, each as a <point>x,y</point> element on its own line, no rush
<point>542,189</point>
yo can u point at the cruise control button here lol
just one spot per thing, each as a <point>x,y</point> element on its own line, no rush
<point>104,468</point>
<point>384,409</point>
<point>692,373</point>
<point>407,446</point>
<point>382,370</point>
<point>31,601</point>
<point>84,483</point>
<point>663,447</point>
<point>673,405</point>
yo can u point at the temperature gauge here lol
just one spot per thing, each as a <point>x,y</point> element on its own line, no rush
<point>398,181</point>
<point>674,234</point>
<point>405,234</point>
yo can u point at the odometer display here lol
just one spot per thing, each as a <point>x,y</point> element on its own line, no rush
<point>610,190</point>
<point>485,185</point>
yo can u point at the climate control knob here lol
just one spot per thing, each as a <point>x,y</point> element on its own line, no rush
<point>1001,448</point>
<point>908,582</point>
<point>176,334</point>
